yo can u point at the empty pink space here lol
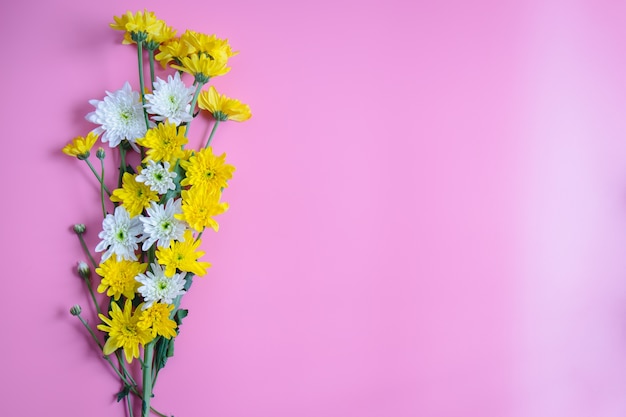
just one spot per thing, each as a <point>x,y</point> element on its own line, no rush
<point>427,217</point>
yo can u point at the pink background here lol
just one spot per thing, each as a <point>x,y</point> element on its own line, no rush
<point>428,216</point>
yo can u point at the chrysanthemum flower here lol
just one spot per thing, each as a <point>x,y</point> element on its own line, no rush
<point>204,169</point>
<point>158,287</point>
<point>80,147</point>
<point>202,67</point>
<point>199,207</point>
<point>137,26</point>
<point>118,277</point>
<point>120,116</point>
<point>211,45</point>
<point>164,142</point>
<point>170,100</point>
<point>157,176</point>
<point>134,196</point>
<point>183,256</point>
<point>223,108</point>
<point>173,51</point>
<point>124,331</point>
<point>119,235</point>
<point>161,226</point>
<point>162,34</point>
<point>157,320</point>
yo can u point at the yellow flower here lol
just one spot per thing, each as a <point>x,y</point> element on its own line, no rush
<point>165,143</point>
<point>199,207</point>
<point>182,255</point>
<point>210,45</point>
<point>137,26</point>
<point>223,108</point>
<point>163,34</point>
<point>156,318</point>
<point>118,277</point>
<point>173,50</point>
<point>202,67</point>
<point>207,170</point>
<point>80,147</point>
<point>134,196</point>
<point>124,331</point>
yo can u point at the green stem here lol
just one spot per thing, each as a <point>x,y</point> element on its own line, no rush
<point>148,353</point>
<point>141,82</point>
<point>217,122</point>
<point>93,296</point>
<point>124,369</point>
<point>106,357</point>
<point>100,179</point>
<point>193,104</point>
<point>104,210</point>
<point>86,250</point>
<point>151,56</point>
<point>130,407</point>
<point>122,165</point>
<point>132,384</point>
<point>88,280</point>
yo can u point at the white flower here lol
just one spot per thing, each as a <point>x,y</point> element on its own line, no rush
<point>120,116</point>
<point>157,287</point>
<point>170,100</point>
<point>119,235</point>
<point>161,226</point>
<point>158,177</point>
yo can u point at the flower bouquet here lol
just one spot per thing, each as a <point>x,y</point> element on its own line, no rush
<point>155,214</point>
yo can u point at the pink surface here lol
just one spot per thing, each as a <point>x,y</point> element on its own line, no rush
<point>428,216</point>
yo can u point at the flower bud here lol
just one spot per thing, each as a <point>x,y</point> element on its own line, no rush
<point>83,270</point>
<point>79,228</point>
<point>100,153</point>
<point>75,310</point>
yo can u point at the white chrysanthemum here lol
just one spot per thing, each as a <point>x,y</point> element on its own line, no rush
<point>119,235</point>
<point>170,100</point>
<point>120,116</point>
<point>157,176</point>
<point>157,287</point>
<point>161,226</point>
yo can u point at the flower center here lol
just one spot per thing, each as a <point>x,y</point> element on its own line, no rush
<point>120,235</point>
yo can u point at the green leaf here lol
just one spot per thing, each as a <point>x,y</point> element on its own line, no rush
<point>160,352</point>
<point>123,393</point>
<point>180,315</point>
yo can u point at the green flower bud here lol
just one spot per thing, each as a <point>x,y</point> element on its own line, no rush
<point>79,228</point>
<point>83,270</point>
<point>100,153</point>
<point>75,310</point>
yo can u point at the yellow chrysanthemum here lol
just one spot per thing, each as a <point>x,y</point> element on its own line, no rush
<point>163,34</point>
<point>137,26</point>
<point>118,277</point>
<point>164,142</point>
<point>182,256</point>
<point>202,67</point>
<point>211,45</point>
<point>173,50</point>
<point>199,207</point>
<point>223,108</point>
<point>80,147</point>
<point>156,318</point>
<point>124,331</point>
<point>207,170</point>
<point>134,196</point>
